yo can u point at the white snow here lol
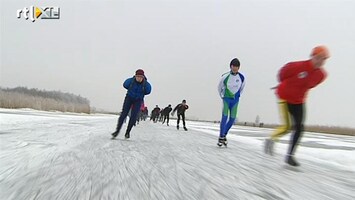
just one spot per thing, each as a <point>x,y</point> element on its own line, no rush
<point>53,155</point>
<point>344,159</point>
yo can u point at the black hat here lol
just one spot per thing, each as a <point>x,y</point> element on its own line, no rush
<point>184,101</point>
<point>235,62</point>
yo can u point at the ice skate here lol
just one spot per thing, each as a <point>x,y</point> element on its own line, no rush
<point>269,147</point>
<point>114,135</point>
<point>222,141</point>
<point>291,161</point>
<point>127,135</point>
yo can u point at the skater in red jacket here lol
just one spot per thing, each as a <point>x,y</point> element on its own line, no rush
<point>295,80</point>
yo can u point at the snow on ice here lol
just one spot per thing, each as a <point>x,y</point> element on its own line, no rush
<point>53,155</point>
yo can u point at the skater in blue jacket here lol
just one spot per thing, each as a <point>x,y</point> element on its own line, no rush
<point>229,88</point>
<point>137,87</point>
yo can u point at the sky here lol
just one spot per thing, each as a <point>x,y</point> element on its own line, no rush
<point>184,46</point>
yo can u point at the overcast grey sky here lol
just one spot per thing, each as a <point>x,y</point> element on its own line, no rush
<point>184,46</point>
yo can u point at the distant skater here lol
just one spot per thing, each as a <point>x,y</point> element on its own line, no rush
<point>166,113</point>
<point>140,113</point>
<point>137,87</point>
<point>295,80</point>
<point>180,109</point>
<point>155,114</point>
<point>230,88</point>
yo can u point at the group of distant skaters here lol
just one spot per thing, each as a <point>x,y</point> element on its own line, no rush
<point>295,80</point>
<point>162,115</point>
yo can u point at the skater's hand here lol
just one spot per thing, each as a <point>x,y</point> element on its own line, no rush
<point>172,114</point>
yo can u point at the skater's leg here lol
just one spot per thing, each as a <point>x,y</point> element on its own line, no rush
<point>178,120</point>
<point>223,126</point>
<point>183,121</point>
<point>229,124</point>
<point>125,109</point>
<point>138,116</point>
<point>225,113</point>
<point>285,120</point>
<point>281,130</point>
<point>233,114</point>
<point>134,113</point>
<point>167,119</point>
<point>164,119</point>
<point>297,113</point>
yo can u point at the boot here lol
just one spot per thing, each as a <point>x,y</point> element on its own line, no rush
<point>291,161</point>
<point>127,135</point>
<point>114,134</point>
<point>222,141</point>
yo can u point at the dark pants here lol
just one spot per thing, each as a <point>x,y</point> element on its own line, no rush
<point>182,115</point>
<point>166,117</point>
<point>129,104</point>
<point>297,114</point>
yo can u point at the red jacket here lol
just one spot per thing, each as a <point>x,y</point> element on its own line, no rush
<point>296,78</point>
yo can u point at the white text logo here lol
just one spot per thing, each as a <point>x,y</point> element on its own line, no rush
<point>33,13</point>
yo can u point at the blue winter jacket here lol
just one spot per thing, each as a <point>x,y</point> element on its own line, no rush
<point>136,90</point>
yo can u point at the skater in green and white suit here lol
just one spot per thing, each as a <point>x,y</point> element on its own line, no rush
<point>230,88</point>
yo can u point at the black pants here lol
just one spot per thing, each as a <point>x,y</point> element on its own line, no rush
<point>182,115</point>
<point>297,114</point>
<point>166,117</point>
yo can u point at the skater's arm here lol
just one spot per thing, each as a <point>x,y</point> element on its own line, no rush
<point>287,71</point>
<point>316,78</point>
<point>243,84</point>
<point>127,83</point>
<point>176,107</point>
<point>148,88</point>
<point>221,87</point>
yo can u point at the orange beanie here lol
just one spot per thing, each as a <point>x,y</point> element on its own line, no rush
<point>320,50</point>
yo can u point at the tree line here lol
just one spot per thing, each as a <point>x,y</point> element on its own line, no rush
<point>23,97</point>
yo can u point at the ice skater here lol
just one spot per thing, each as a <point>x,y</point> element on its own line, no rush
<point>166,113</point>
<point>180,109</point>
<point>137,87</point>
<point>295,79</point>
<point>230,88</point>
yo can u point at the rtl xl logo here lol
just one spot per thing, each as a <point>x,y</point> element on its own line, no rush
<point>33,13</point>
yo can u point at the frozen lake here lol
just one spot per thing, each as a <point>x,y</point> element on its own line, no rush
<point>49,155</point>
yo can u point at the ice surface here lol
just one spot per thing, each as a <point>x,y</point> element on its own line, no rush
<point>47,155</point>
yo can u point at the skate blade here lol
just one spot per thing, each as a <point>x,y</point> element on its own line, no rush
<point>221,144</point>
<point>292,168</point>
